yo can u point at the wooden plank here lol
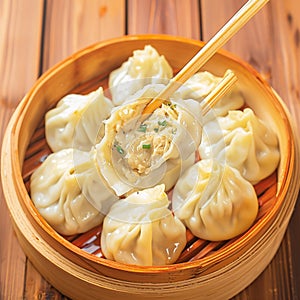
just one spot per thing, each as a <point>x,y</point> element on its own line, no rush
<point>247,43</point>
<point>285,80</point>
<point>292,241</point>
<point>270,42</point>
<point>173,17</point>
<point>38,288</point>
<point>285,55</point>
<point>12,258</point>
<point>71,25</point>
<point>20,37</point>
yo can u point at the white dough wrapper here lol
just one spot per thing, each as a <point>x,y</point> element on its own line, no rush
<point>77,121</point>
<point>144,67</point>
<point>69,193</point>
<point>244,141</point>
<point>214,201</point>
<point>141,230</point>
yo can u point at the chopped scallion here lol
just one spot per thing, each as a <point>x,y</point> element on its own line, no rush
<point>119,149</point>
<point>142,128</point>
<point>162,123</point>
<point>146,146</point>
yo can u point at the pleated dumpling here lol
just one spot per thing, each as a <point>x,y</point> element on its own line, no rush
<point>69,193</point>
<point>199,85</point>
<point>214,201</point>
<point>141,230</point>
<point>244,141</point>
<point>135,154</point>
<point>77,121</point>
<point>144,67</point>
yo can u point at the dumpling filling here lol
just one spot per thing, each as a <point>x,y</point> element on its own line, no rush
<point>142,148</point>
<point>135,154</point>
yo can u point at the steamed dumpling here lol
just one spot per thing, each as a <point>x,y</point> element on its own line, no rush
<point>77,121</point>
<point>139,155</point>
<point>199,85</point>
<point>69,193</point>
<point>141,230</point>
<point>144,67</point>
<point>214,201</point>
<point>244,142</point>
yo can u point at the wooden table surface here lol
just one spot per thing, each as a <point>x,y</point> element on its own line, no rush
<point>35,34</point>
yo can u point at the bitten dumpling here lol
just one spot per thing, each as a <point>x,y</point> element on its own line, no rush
<point>214,201</point>
<point>144,67</point>
<point>137,155</point>
<point>244,141</point>
<point>77,121</point>
<point>141,230</point>
<point>200,85</point>
<point>69,193</point>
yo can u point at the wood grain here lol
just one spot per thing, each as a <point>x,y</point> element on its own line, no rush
<point>285,56</point>
<point>286,81</point>
<point>20,38</point>
<point>38,288</point>
<point>71,25</point>
<point>20,33</point>
<point>247,43</point>
<point>174,17</point>
<point>270,43</point>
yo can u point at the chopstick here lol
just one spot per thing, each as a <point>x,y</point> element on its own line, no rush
<point>218,92</point>
<point>207,51</point>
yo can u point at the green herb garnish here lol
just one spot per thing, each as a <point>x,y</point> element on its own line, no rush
<point>146,146</point>
<point>142,128</point>
<point>155,129</point>
<point>162,123</point>
<point>119,149</point>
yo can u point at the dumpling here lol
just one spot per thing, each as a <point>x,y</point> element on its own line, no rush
<point>214,201</point>
<point>69,193</point>
<point>147,92</point>
<point>135,154</point>
<point>199,85</point>
<point>141,230</point>
<point>244,141</point>
<point>77,121</point>
<point>144,67</point>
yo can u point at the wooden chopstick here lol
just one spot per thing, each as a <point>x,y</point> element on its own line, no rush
<point>218,92</point>
<point>210,48</point>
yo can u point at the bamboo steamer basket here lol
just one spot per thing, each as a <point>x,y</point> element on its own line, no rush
<point>214,271</point>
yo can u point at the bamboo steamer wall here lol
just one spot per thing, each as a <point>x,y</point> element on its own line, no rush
<point>83,276</point>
